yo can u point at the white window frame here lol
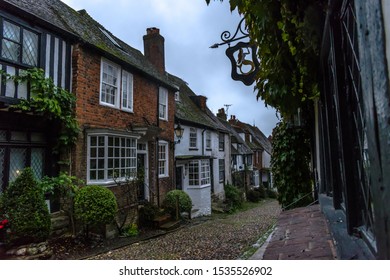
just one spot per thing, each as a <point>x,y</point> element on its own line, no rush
<point>163,159</point>
<point>193,144</point>
<point>114,84</point>
<point>122,84</point>
<point>163,104</point>
<point>221,142</point>
<point>199,173</point>
<point>108,157</point>
<point>208,139</point>
<point>127,89</point>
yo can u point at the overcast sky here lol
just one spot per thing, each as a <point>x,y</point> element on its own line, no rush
<point>189,27</point>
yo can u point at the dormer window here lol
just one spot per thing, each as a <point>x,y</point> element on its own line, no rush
<point>177,96</point>
<point>18,44</point>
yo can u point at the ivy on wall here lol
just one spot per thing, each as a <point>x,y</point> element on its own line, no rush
<point>290,165</point>
<point>50,101</point>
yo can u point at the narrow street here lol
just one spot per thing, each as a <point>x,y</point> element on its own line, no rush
<point>219,238</point>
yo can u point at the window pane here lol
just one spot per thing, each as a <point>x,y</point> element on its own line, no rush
<point>11,31</point>
<point>30,48</point>
<point>3,135</point>
<point>38,137</point>
<point>37,162</point>
<point>17,162</point>
<point>10,50</point>
<point>18,136</point>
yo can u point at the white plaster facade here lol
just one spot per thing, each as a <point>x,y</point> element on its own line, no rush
<point>205,150</point>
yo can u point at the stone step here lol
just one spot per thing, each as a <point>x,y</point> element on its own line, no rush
<point>160,220</point>
<point>171,225</point>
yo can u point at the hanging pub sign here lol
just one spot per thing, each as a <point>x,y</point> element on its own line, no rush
<point>243,56</point>
<point>245,64</point>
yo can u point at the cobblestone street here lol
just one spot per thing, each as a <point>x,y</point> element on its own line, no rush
<point>222,237</point>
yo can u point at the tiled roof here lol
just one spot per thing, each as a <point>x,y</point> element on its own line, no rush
<point>188,111</point>
<point>88,31</point>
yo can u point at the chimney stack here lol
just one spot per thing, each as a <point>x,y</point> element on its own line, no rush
<point>200,101</point>
<point>154,48</point>
<point>221,114</point>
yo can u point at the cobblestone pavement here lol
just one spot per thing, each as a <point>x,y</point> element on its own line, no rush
<point>301,234</point>
<point>225,237</point>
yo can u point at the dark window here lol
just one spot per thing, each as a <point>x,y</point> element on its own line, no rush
<point>221,163</point>
<point>18,44</point>
<point>20,149</point>
<point>221,141</point>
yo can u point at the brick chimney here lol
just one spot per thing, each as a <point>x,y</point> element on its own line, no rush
<point>154,48</point>
<point>221,114</point>
<point>200,101</point>
<point>232,119</point>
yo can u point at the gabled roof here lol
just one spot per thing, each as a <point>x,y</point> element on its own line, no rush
<point>188,112</point>
<point>236,138</point>
<point>260,141</point>
<point>85,29</point>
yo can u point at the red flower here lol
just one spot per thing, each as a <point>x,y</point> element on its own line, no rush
<point>4,222</point>
<point>1,226</point>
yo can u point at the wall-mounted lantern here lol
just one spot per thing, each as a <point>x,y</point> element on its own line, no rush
<point>179,131</point>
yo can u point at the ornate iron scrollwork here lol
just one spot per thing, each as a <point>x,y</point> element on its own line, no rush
<point>244,68</point>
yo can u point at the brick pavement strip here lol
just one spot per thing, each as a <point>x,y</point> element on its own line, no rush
<point>222,238</point>
<point>301,234</point>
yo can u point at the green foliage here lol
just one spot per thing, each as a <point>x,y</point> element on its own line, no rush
<point>130,230</point>
<point>95,205</point>
<point>233,197</point>
<point>63,184</point>
<point>26,209</point>
<point>174,196</point>
<point>253,196</point>
<point>272,194</point>
<point>290,164</point>
<point>288,35</point>
<point>50,101</point>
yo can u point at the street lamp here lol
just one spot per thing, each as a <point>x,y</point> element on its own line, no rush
<point>179,131</point>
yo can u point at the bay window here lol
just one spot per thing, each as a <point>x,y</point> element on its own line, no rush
<point>111,157</point>
<point>199,173</point>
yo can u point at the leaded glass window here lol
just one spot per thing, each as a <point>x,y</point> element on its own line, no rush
<point>19,44</point>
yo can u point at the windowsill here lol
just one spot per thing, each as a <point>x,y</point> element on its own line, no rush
<point>193,149</point>
<point>199,187</point>
<point>163,176</point>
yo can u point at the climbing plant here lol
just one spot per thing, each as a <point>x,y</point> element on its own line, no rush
<point>290,165</point>
<point>50,101</point>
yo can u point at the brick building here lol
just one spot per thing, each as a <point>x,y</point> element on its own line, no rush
<point>125,101</point>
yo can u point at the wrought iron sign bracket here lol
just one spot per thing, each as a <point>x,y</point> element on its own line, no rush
<point>244,68</point>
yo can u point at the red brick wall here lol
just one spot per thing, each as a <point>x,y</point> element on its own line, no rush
<point>90,114</point>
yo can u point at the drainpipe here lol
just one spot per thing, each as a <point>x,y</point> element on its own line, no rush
<point>203,141</point>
